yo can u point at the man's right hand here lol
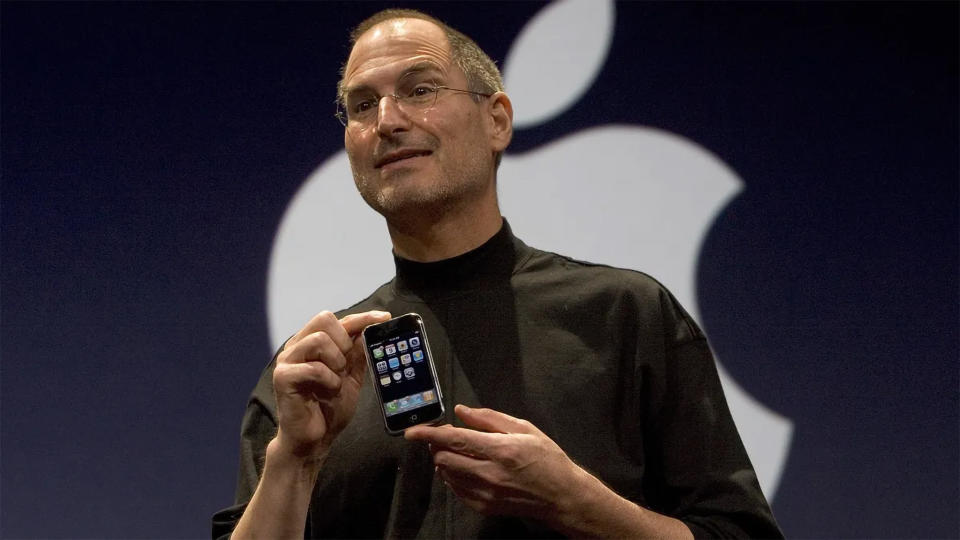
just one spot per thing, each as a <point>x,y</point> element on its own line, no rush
<point>317,381</point>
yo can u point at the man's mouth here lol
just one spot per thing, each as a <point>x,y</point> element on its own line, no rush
<point>400,155</point>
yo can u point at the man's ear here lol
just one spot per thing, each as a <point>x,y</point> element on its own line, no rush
<point>501,121</point>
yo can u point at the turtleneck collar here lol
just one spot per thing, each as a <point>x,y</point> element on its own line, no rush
<point>493,261</point>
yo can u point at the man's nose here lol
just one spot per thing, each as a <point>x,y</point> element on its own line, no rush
<point>390,116</point>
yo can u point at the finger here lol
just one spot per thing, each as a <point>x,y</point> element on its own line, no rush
<point>460,440</point>
<point>356,359</point>
<point>326,322</point>
<point>318,346</point>
<point>354,324</point>
<point>490,497</point>
<point>413,433</point>
<point>466,487</point>
<point>460,464</point>
<point>493,421</point>
<point>313,376</point>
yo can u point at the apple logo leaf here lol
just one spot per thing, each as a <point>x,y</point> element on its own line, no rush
<point>556,58</point>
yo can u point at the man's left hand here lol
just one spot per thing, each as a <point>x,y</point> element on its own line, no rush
<point>504,465</point>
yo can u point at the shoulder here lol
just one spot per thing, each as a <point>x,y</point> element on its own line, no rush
<point>605,289</point>
<point>544,267</point>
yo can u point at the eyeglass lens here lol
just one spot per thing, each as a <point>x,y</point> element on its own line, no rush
<point>414,92</point>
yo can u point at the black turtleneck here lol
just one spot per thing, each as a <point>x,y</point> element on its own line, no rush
<point>491,263</point>
<point>604,361</point>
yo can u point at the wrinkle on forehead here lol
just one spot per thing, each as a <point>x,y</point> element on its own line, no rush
<point>395,41</point>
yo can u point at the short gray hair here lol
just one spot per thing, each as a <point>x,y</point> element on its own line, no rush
<point>481,72</point>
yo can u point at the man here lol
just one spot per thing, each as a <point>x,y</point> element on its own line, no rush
<point>594,404</point>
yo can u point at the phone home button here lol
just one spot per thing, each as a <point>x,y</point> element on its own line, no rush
<point>413,418</point>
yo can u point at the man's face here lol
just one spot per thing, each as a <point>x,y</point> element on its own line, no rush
<point>427,160</point>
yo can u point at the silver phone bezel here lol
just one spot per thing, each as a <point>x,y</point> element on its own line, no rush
<point>375,379</point>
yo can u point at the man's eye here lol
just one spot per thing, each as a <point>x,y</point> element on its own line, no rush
<point>363,106</point>
<point>423,91</point>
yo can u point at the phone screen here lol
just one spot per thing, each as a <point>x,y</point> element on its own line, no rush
<point>403,372</point>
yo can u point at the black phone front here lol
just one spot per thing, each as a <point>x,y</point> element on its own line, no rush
<point>403,373</point>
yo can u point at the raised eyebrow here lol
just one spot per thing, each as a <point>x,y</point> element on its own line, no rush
<point>359,89</point>
<point>419,67</point>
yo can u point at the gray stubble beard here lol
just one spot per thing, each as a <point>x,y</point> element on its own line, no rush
<point>406,209</point>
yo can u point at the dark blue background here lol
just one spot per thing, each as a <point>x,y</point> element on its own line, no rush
<point>149,150</point>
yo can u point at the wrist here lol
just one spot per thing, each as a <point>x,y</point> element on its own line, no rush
<point>576,505</point>
<point>279,506</point>
<point>595,510</point>
<point>280,457</point>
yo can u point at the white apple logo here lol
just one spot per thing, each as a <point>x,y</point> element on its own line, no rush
<point>588,195</point>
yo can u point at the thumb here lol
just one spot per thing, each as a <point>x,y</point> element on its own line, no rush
<point>354,324</point>
<point>493,421</point>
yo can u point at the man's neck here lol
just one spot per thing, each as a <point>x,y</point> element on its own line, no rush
<point>453,234</point>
